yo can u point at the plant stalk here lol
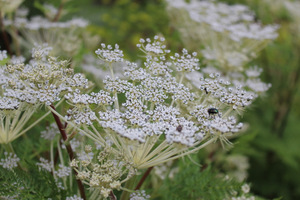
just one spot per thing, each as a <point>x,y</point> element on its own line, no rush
<point>146,174</point>
<point>128,185</point>
<point>63,133</point>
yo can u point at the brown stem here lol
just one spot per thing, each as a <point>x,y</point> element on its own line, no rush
<point>112,196</point>
<point>16,40</point>
<point>63,133</point>
<point>5,37</point>
<point>143,178</point>
<point>57,16</point>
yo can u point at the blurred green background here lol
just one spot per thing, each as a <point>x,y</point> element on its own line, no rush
<point>272,142</point>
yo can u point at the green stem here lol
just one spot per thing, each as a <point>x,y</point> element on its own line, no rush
<point>129,185</point>
<point>40,119</point>
<point>35,123</point>
<point>8,148</point>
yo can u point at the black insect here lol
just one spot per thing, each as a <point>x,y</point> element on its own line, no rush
<point>212,111</point>
<point>179,128</point>
<point>206,91</point>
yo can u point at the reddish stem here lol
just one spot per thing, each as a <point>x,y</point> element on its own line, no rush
<point>112,196</point>
<point>143,178</point>
<point>63,133</point>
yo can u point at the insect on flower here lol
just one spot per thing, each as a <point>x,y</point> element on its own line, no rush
<point>179,128</point>
<point>213,111</point>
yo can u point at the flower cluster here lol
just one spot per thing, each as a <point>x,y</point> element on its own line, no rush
<point>245,194</point>
<point>147,113</point>
<point>139,195</point>
<point>50,132</point>
<point>162,117</point>
<point>26,87</point>
<point>44,80</point>
<point>61,172</point>
<point>229,33</point>
<point>65,37</point>
<point>109,55</point>
<point>105,173</point>
<point>10,161</point>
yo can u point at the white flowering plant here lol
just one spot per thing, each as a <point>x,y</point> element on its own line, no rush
<point>163,108</point>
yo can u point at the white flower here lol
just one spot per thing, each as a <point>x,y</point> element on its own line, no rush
<point>75,197</point>
<point>229,34</point>
<point>108,55</point>
<point>44,80</point>
<point>139,195</point>
<point>50,132</point>
<point>10,161</point>
<point>186,62</point>
<point>246,188</point>
<point>158,116</point>
<point>44,164</point>
<point>63,171</point>
<point>155,48</point>
<point>3,55</point>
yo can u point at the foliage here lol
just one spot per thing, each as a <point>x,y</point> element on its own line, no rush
<point>193,183</point>
<point>271,142</point>
<point>30,184</point>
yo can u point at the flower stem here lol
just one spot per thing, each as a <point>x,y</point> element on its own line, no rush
<point>146,174</point>
<point>112,196</point>
<point>129,185</point>
<point>63,133</point>
<point>58,14</point>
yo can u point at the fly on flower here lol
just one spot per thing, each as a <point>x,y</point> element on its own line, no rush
<point>213,111</point>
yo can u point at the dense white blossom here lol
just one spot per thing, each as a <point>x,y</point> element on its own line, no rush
<point>151,105</point>
<point>44,80</point>
<point>229,34</point>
